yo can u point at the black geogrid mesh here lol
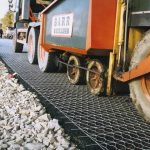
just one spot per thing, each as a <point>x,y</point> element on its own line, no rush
<point>111,121</point>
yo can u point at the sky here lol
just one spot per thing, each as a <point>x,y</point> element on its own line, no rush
<point>3,7</point>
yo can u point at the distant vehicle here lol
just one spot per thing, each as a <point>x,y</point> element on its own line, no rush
<point>9,32</point>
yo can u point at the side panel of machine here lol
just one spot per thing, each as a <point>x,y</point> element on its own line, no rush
<point>139,13</point>
<point>66,23</point>
<point>103,23</point>
<point>140,5</point>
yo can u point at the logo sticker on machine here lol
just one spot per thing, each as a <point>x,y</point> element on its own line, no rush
<point>62,25</point>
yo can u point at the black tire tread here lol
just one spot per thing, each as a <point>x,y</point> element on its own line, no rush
<point>18,47</point>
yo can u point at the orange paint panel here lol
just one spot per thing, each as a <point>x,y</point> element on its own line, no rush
<point>88,39</point>
<point>103,23</point>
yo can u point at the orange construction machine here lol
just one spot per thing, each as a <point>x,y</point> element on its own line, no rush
<point>100,43</point>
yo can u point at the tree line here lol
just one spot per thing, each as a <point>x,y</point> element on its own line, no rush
<point>7,20</point>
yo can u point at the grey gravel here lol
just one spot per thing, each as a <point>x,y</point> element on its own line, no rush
<point>24,125</point>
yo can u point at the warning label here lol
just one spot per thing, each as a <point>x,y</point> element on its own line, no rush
<point>62,25</point>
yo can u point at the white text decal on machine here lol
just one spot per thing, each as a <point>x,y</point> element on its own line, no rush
<point>62,25</point>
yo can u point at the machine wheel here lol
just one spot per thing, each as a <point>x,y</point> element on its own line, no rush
<point>32,45</point>
<point>140,88</point>
<point>61,67</point>
<point>46,60</point>
<point>75,74</point>
<point>18,47</point>
<point>95,81</point>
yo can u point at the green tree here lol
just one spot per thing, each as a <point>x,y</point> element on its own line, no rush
<point>7,21</point>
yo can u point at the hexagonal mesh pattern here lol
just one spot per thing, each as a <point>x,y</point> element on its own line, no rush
<point>112,122</point>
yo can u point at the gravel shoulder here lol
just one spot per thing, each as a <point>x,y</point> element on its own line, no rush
<point>24,123</point>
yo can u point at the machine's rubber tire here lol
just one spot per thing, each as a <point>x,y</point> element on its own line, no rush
<point>64,57</point>
<point>17,47</point>
<point>61,68</point>
<point>32,45</point>
<point>139,98</point>
<point>46,60</point>
<point>75,75</point>
<point>97,79</point>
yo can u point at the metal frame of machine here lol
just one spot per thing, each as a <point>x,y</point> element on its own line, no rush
<point>113,30</point>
